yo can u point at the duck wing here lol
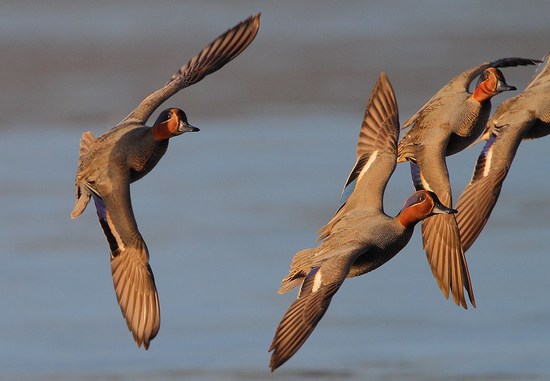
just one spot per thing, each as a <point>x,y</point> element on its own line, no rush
<point>478,199</point>
<point>212,58</point>
<point>132,275</point>
<point>440,234</point>
<point>517,118</point>
<point>461,82</point>
<point>542,74</point>
<point>314,297</point>
<point>376,154</point>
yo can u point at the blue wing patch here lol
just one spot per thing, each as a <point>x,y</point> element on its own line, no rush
<point>416,178</point>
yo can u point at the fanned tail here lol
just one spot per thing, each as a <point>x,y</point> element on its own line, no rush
<point>301,265</point>
<point>82,192</point>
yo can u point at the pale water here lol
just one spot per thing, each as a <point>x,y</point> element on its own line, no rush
<point>226,208</point>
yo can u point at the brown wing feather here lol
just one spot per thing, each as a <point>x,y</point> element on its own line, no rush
<point>480,196</point>
<point>380,128</point>
<point>298,323</point>
<point>475,206</point>
<point>378,135</point>
<point>462,81</point>
<point>440,234</point>
<point>212,58</point>
<point>446,258</point>
<point>136,293</point>
<point>314,297</point>
<point>133,278</point>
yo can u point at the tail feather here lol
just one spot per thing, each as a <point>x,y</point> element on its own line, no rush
<point>82,199</point>
<point>82,193</point>
<point>85,143</point>
<point>301,265</point>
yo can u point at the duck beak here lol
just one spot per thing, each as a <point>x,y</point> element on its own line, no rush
<point>503,86</point>
<point>186,127</point>
<point>439,208</point>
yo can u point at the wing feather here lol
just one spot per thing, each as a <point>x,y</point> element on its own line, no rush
<point>376,154</point>
<point>133,278</point>
<point>440,234</point>
<point>462,81</point>
<point>481,194</point>
<point>211,58</point>
<point>314,297</point>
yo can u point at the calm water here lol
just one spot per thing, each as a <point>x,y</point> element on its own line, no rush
<point>226,209</point>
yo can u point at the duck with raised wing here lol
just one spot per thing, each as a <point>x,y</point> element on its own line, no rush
<point>108,164</point>
<point>360,237</point>
<point>525,116</point>
<point>448,123</point>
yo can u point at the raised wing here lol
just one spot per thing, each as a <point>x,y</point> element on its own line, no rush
<point>376,154</point>
<point>212,58</point>
<point>462,81</point>
<point>542,75</point>
<point>132,276</point>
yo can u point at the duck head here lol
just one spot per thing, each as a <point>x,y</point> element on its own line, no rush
<point>171,122</point>
<point>420,205</point>
<point>490,83</point>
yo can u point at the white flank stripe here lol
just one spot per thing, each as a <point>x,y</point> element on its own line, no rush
<point>487,166</point>
<point>425,183</point>
<point>367,165</point>
<point>119,242</point>
<point>317,281</point>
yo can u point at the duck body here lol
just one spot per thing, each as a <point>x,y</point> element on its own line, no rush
<point>450,121</point>
<point>376,238</point>
<point>454,117</point>
<point>129,149</point>
<point>146,151</point>
<point>456,127</point>
<point>523,117</point>
<point>360,237</point>
<point>126,153</point>
<point>387,238</point>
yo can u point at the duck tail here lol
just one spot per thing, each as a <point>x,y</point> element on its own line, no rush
<point>82,199</point>
<point>301,265</point>
<point>85,142</point>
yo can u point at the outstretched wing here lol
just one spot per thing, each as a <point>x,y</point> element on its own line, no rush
<point>517,118</point>
<point>462,81</point>
<point>212,58</point>
<point>314,298</point>
<point>480,196</point>
<point>542,75</point>
<point>376,154</point>
<point>132,276</point>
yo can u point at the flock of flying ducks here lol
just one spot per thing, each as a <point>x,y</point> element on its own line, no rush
<point>360,237</point>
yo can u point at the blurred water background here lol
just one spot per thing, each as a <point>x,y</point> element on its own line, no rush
<point>226,208</point>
